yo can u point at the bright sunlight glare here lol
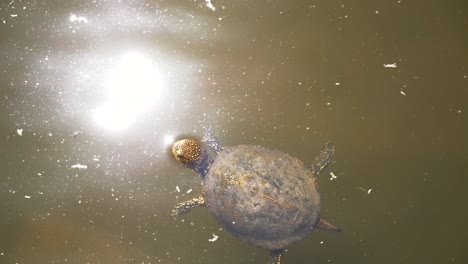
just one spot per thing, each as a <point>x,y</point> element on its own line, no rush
<point>132,86</point>
<point>169,139</point>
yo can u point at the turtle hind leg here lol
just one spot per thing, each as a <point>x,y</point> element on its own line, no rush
<point>323,158</point>
<point>185,207</point>
<point>275,256</point>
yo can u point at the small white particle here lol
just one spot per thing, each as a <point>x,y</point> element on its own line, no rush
<point>13,15</point>
<point>1,254</point>
<point>377,12</point>
<point>177,188</point>
<point>337,83</point>
<point>27,197</point>
<point>403,93</point>
<point>19,131</point>
<point>333,176</point>
<point>321,242</point>
<point>369,191</point>
<point>390,65</point>
<point>79,201</point>
<point>189,191</point>
<point>215,237</point>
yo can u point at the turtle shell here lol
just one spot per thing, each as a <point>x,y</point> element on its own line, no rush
<point>262,196</point>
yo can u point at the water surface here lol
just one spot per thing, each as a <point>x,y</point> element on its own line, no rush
<point>94,92</point>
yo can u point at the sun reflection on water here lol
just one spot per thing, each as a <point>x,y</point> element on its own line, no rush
<point>133,86</point>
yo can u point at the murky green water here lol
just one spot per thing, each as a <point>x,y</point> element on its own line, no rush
<point>385,81</point>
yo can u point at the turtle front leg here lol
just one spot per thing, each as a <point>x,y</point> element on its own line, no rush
<point>323,158</point>
<point>212,141</point>
<point>275,256</point>
<point>185,207</point>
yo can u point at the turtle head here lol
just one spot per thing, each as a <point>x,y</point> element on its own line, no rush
<point>191,154</point>
<point>187,151</point>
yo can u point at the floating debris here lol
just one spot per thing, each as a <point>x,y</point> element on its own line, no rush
<point>215,237</point>
<point>333,176</point>
<point>19,131</point>
<point>403,93</point>
<point>365,190</point>
<point>390,65</point>
<point>189,191</point>
<point>177,188</point>
<point>76,133</point>
<point>27,196</point>
<point>210,5</point>
<point>79,166</point>
<point>79,19</point>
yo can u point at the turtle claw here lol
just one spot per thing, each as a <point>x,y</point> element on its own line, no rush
<point>327,226</point>
<point>213,143</point>
<point>275,256</point>
<point>187,206</point>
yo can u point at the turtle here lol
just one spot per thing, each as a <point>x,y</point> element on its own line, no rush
<point>262,196</point>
